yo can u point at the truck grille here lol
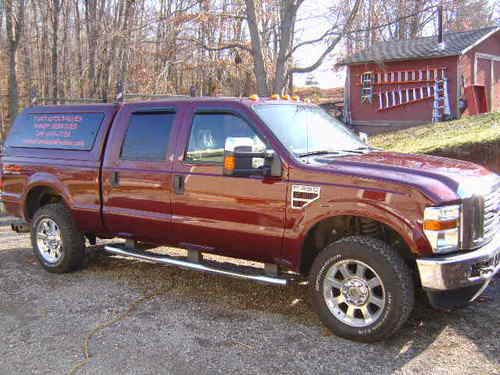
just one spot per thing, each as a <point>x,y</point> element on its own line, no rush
<point>491,213</point>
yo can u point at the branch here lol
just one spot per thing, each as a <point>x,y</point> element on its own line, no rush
<point>225,46</point>
<point>318,62</point>
<point>396,20</point>
<point>331,45</point>
<point>326,34</point>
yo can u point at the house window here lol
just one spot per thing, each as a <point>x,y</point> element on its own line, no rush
<point>367,87</point>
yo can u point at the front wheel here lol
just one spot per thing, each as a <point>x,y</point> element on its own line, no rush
<point>361,288</point>
<point>57,242</point>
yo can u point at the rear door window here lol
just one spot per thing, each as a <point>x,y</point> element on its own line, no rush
<point>147,137</point>
<point>66,131</point>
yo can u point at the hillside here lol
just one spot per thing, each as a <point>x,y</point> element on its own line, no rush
<point>474,138</point>
<point>443,135</point>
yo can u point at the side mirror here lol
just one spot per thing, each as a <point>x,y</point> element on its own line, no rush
<point>240,159</point>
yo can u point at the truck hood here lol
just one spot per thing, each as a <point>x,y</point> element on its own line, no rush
<point>437,177</point>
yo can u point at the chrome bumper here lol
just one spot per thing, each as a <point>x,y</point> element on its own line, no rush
<point>458,271</point>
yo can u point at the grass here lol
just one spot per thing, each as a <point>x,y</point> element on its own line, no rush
<point>443,135</point>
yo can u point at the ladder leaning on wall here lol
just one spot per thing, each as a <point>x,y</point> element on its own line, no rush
<point>441,107</point>
<point>398,89</point>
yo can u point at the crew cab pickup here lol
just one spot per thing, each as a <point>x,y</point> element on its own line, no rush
<point>271,180</point>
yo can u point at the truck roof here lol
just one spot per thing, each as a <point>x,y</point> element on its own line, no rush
<point>248,101</point>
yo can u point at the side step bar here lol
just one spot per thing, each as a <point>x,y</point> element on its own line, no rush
<point>20,227</point>
<point>171,261</point>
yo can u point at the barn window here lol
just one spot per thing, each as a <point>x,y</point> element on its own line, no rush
<point>367,87</point>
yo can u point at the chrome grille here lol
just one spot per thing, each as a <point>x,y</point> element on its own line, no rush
<point>491,213</point>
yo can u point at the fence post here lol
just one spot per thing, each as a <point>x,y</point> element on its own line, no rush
<point>33,97</point>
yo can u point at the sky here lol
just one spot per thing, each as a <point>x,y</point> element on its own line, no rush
<point>312,27</point>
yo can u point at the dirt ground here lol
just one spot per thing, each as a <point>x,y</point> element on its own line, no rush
<point>122,316</point>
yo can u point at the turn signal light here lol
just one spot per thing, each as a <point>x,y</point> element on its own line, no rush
<point>436,225</point>
<point>275,97</point>
<point>254,97</point>
<point>230,162</point>
<point>285,97</point>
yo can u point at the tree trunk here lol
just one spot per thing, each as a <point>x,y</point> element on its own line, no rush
<point>258,58</point>
<point>56,8</point>
<point>14,22</point>
<point>91,25</point>
<point>287,26</point>
<point>13,102</point>
<point>2,9</point>
<point>123,52</point>
<point>28,71</point>
<point>79,56</point>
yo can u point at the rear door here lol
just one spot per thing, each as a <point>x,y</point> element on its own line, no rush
<point>136,173</point>
<point>235,216</point>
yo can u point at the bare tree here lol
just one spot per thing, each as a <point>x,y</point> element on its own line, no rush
<point>123,53</point>
<point>85,48</point>
<point>92,32</point>
<point>258,56</point>
<point>14,21</point>
<point>284,44</point>
<point>2,9</point>
<point>55,10</point>
<point>79,47</point>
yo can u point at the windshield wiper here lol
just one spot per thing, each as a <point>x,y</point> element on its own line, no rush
<point>317,152</point>
<point>360,150</point>
<point>368,148</point>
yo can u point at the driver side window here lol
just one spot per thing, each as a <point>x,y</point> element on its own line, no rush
<point>209,133</point>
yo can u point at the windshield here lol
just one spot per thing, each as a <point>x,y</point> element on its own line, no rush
<point>306,129</point>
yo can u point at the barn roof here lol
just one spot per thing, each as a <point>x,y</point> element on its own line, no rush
<point>455,43</point>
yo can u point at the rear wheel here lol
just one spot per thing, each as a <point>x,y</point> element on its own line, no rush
<point>361,288</point>
<point>57,242</point>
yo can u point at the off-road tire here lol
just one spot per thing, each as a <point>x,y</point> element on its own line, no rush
<point>395,275</point>
<point>73,241</point>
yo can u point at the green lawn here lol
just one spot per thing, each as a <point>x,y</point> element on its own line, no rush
<point>443,135</point>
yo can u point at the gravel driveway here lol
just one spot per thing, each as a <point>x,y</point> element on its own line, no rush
<point>122,316</point>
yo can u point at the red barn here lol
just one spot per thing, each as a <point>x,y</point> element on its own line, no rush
<point>404,83</point>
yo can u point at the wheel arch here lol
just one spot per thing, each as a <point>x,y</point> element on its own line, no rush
<point>43,189</point>
<point>389,228</point>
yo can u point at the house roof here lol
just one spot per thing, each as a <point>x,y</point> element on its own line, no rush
<point>455,43</point>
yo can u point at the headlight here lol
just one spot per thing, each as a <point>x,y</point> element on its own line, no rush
<point>442,227</point>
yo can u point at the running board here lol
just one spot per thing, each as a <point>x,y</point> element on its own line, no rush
<point>171,261</point>
<point>20,226</point>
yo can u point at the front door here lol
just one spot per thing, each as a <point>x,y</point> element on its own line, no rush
<point>234,216</point>
<point>136,174</point>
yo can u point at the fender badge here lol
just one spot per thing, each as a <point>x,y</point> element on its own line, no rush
<point>304,195</point>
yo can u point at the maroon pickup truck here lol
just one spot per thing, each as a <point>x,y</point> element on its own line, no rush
<point>275,181</point>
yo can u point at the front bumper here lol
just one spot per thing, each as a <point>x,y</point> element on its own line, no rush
<point>471,271</point>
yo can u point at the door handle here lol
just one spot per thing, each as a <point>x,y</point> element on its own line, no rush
<point>179,184</point>
<point>115,179</point>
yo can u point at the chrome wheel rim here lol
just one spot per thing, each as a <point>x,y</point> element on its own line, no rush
<point>354,293</point>
<point>48,239</point>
